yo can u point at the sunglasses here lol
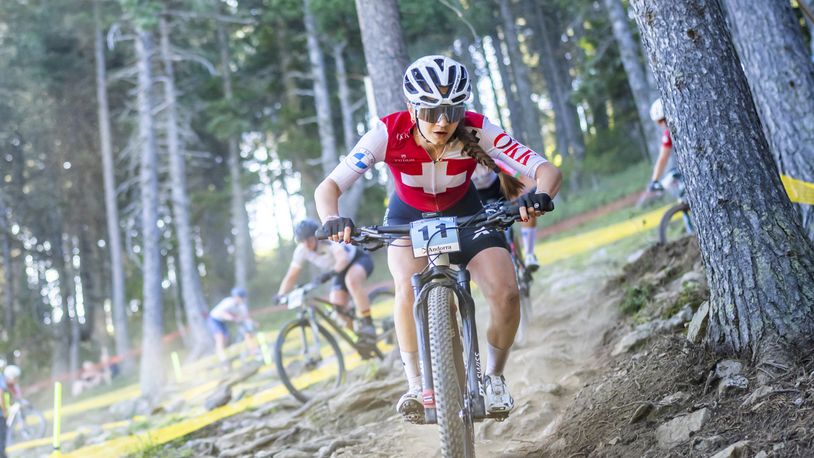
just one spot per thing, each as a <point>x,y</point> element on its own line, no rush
<point>453,113</point>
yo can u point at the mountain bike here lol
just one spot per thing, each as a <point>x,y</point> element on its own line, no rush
<point>24,422</point>
<point>306,353</point>
<point>675,185</point>
<point>447,343</point>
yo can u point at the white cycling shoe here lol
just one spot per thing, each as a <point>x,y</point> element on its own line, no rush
<point>531,262</point>
<point>411,407</point>
<point>497,398</point>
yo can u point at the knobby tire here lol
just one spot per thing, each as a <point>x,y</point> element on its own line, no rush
<point>664,225</point>
<point>456,434</point>
<point>298,326</point>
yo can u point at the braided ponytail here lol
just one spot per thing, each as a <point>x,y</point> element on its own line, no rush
<point>511,186</point>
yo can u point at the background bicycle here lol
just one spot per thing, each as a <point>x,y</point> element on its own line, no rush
<point>307,354</point>
<point>24,422</point>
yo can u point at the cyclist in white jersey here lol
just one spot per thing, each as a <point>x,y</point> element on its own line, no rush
<point>232,309</point>
<point>347,266</point>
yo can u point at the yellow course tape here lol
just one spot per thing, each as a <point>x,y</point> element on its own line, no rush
<point>799,191</point>
<point>551,252</point>
<point>129,444</point>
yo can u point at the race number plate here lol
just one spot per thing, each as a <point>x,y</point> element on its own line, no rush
<point>295,299</point>
<point>434,236</point>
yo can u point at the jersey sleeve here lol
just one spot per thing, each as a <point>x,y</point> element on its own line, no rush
<point>508,151</point>
<point>298,258</point>
<point>666,140</point>
<point>370,149</point>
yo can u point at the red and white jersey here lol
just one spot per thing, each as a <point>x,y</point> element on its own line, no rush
<point>422,183</point>
<point>666,140</point>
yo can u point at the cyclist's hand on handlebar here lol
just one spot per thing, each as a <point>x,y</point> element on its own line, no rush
<point>278,299</point>
<point>337,229</point>
<point>534,204</point>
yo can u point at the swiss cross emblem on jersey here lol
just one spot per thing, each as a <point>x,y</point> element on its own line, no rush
<point>434,178</point>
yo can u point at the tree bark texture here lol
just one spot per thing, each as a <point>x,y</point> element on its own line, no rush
<point>385,52</point>
<point>533,133</point>
<point>193,298</point>
<point>637,80</point>
<point>240,218</point>
<point>152,357</point>
<point>114,243</point>
<point>780,73</point>
<point>759,263</point>
<point>351,200</point>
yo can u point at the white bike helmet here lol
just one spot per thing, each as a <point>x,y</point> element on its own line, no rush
<point>436,80</point>
<point>657,111</point>
<point>12,373</point>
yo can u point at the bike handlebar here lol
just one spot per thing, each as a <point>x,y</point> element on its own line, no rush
<point>496,215</point>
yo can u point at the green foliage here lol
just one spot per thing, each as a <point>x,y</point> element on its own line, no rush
<point>611,151</point>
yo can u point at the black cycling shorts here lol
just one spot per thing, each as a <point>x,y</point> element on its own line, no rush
<point>473,239</point>
<point>363,259</point>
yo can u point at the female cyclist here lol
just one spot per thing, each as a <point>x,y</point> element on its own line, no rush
<point>432,149</point>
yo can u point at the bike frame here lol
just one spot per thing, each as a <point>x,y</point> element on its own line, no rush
<point>313,308</point>
<point>441,275</point>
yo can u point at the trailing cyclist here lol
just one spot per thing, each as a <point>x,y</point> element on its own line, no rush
<point>432,150</point>
<point>488,185</point>
<point>232,309</point>
<point>346,266</point>
<point>665,173</point>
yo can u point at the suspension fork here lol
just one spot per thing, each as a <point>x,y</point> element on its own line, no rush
<point>466,306</point>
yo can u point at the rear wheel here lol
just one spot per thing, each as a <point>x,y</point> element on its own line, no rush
<point>456,431</point>
<point>307,362</point>
<point>682,208</point>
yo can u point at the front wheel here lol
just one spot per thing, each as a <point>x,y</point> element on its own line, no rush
<point>29,424</point>
<point>679,208</point>
<point>307,361</point>
<point>454,422</point>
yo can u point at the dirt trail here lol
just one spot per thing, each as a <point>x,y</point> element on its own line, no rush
<point>571,317</point>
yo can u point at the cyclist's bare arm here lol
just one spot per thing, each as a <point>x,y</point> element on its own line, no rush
<point>327,199</point>
<point>549,179</point>
<point>661,163</point>
<point>290,279</point>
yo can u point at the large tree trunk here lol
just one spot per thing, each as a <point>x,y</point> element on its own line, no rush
<point>385,55</point>
<point>322,99</point>
<point>114,243</point>
<point>781,75</point>
<point>628,50</point>
<point>759,263</point>
<point>152,357</point>
<point>193,299</point>
<point>533,133</point>
<point>385,52</point>
<point>350,201</point>
<point>240,218</point>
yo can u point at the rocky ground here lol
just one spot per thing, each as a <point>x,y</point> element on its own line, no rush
<point>573,317</point>
<point>664,395</point>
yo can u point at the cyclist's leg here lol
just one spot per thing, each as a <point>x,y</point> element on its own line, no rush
<point>491,269</point>
<point>493,272</point>
<point>355,282</point>
<point>402,266</point>
<point>221,334</point>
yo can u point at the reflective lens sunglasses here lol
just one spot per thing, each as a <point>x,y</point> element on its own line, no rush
<point>453,113</point>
